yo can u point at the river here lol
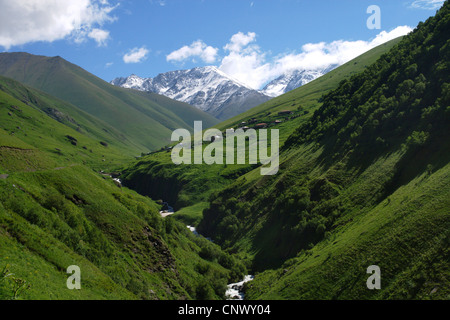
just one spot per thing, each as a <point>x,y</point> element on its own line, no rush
<point>235,291</point>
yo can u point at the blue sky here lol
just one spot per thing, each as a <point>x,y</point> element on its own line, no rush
<point>252,40</point>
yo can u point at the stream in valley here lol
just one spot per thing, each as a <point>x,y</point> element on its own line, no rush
<point>235,291</point>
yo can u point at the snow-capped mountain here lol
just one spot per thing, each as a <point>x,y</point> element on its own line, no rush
<point>292,80</point>
<point>206,88</point>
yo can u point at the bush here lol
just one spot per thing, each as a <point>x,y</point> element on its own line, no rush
<point>204,291</point>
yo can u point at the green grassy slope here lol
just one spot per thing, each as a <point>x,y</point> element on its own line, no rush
<point>56,217</point>
<point>54,126</point>
<point>147,120</point>
<point>406,235</point>
<point>57,210</point>
<point>365,181</point>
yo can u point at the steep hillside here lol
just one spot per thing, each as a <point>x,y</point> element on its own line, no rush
<point>366,181</point>
<point>54,217</point>
<point>207,88</point>
<point>59,128</point>
<point>58,209</point>
<point>145,120</point>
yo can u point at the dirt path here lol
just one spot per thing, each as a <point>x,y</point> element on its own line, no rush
<point>4,176</point>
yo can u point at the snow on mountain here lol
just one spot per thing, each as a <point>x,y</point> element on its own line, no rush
<point>292,80</point>
<point>206,88</point>
<point>215,92</point>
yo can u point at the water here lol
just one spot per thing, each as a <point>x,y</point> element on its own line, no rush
<point>235,290</point>
<point>193,230</point>
<point>168,211</point>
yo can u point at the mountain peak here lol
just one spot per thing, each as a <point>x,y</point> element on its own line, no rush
<point>207,88</point>
<point>292,79</point>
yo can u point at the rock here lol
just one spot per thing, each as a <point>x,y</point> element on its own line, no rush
<point>72,140</point>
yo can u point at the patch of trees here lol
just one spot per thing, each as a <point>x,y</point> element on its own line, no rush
<point>406,90</point>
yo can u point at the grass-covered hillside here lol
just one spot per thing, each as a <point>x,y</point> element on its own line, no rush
<point>59,206</point>
<point>62,130</point>
<point>365,181</point>
<point>146,120</point>
<point>52,217</point>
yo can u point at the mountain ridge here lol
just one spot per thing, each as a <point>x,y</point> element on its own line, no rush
<point>294,79</point>
<point>206,88</point>
<point>147,120</point>
<point>221,95</point>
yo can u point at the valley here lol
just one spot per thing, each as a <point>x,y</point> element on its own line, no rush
<point>88,178</point>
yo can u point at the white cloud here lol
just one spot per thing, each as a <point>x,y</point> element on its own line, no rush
<point>239,41</point>
<point>321,55</point>
<point>136,55</point>
<point>25,21</point>
<point>100,36</point>
<point>248,64</point>
<point>427,4</point>
<point>197,49</point>
<point>245,60</point>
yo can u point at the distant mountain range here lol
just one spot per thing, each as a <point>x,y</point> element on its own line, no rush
<point>292,80</point>
<point>206,88</point>
<point>144,120</point>
<point>215,92</point>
